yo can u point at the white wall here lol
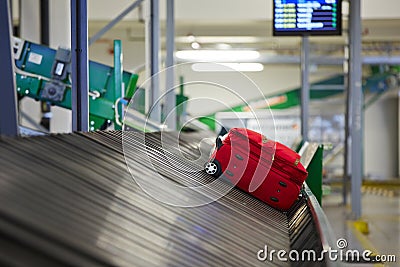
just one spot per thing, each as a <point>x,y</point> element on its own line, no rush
<point>30,23</point>
<point>60,23</point>
<point>383,9</point>
<point>189,9</point>
<point>381,137</point>
<point>212,10</point>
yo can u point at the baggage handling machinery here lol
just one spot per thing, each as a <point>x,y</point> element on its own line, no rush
<point>377,83</point>
<point>43,73</point>
<point>69,200</point>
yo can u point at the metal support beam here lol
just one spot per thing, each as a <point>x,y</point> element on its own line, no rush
<point>118,89</point>
<point>356,100</point>
<point>153,58</point>
<point>8,99</point>
<point>305,86</point>
<point>112,23</point>
<point>321,60</point>
<point>376,60</point>
<point>79,68</point>
<point>45,40</point>
<point>44,22</point>
<point>170,102</point>
<point>347,156</point>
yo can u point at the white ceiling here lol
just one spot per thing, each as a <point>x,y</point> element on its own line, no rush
<point>231,10</point>
<point>247,24</point>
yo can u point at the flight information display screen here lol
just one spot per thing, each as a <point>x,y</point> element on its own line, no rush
<point>307,17</point>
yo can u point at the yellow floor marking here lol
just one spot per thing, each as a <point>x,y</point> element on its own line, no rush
<point>364,242</point>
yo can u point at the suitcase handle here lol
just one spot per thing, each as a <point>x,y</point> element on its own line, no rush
<point>270,151</point>
<point>218,142</point>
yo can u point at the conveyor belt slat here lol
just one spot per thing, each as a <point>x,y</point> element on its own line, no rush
<point>69,199</point>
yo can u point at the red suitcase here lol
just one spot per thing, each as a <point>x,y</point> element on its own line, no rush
<point>268,170</point>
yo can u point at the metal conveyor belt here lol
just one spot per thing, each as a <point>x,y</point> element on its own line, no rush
<point>70,200</point>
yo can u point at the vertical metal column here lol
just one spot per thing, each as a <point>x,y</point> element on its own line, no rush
<point>170,104</point>
<point>347,140</point>
<point>8,99</point>
<point>79,69</point>
<point>153,58</point>
<point>45,40</point>
<point>305,86</point>
<point>44,22</point>
<point>118,71</point>
<point>356,99</point>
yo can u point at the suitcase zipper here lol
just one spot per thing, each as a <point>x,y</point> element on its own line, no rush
<point>277,170</point>
<point>296,162</point>
<point>251,141</point>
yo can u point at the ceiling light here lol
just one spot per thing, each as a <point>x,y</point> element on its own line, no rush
<point>227,67</point>
<point>224,46</point>
<point>217,55</point>
<point>191,38</point>
<point>195,45</point>
<point>220,39</point>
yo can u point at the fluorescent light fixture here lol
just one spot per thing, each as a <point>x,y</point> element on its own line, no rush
<point>191,38</point>
<point>227,67</point>
<point>220,39</point>
<point>223,46</point>
<point>195,45</point>
<point>217,55</point>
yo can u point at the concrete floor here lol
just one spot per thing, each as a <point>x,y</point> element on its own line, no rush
<point>380,211</point>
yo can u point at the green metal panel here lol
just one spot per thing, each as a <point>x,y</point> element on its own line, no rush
<point>180,104</point>
<point>38,60</point>
<point>28,86</point>
<point>131,88</point>
<point>95,122</point>
<point>395,69</point>
<point>209,121</point>
<point>138,100</point>
<point>100,107</point>
<point>99,77</point>
<point>314,179</point>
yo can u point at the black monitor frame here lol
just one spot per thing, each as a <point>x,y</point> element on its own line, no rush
<point>338,31</point>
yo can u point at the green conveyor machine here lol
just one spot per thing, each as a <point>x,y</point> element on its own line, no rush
<point>42,73</point>
<point>378,82</point>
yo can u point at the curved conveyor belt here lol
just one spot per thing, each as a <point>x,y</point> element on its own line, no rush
<point>70,200</point>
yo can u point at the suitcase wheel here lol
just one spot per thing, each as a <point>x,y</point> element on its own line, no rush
<point>213,168</point>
